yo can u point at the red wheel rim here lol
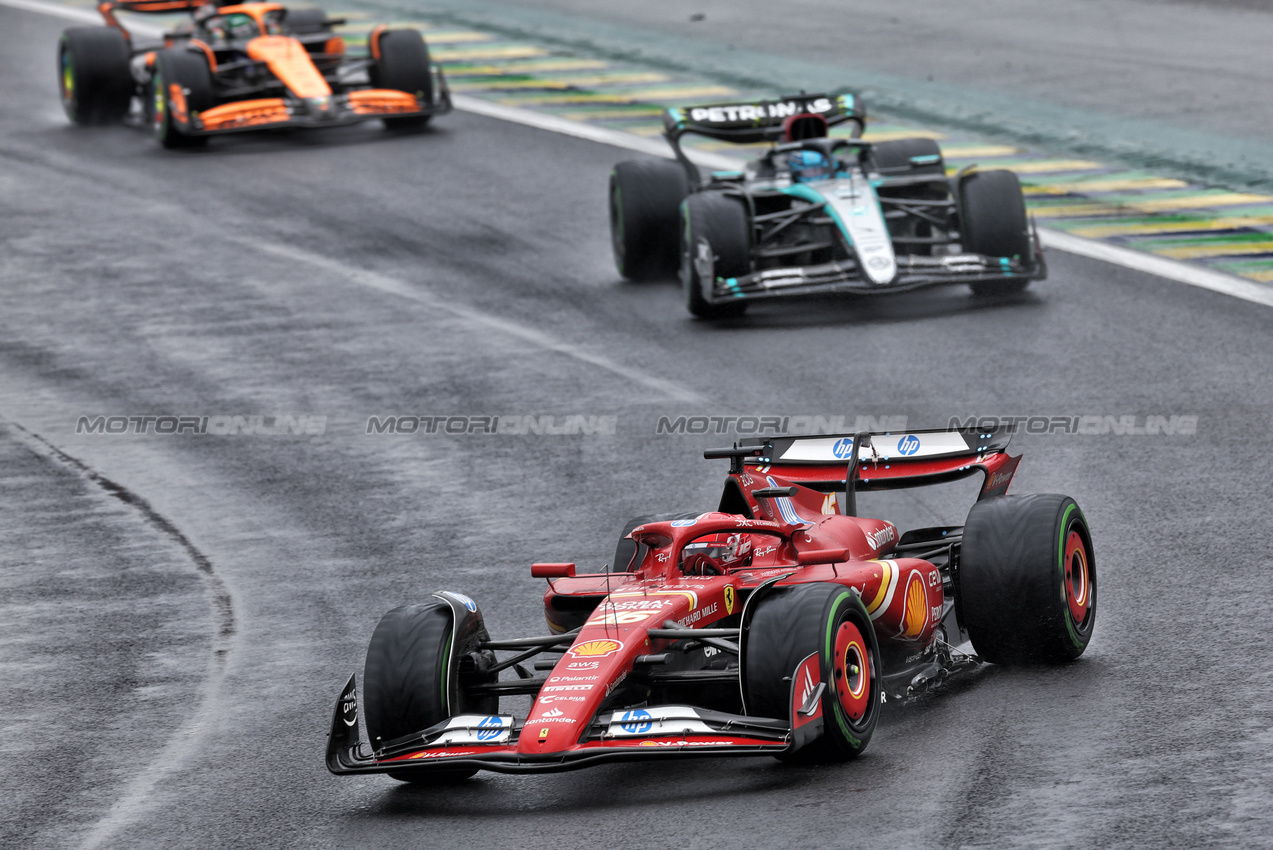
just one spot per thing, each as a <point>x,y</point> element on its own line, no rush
<point>852,671</point>
<point>1078,580</point>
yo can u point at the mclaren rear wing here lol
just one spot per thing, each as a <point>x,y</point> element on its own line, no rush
<point>881,460</point>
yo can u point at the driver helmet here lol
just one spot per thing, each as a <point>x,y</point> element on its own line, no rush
<point>810,166</point>
<point>239,26</point>
<point>716,557</point>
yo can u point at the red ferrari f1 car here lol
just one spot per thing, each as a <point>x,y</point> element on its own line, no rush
<point>775,625</point>
<point>244,66</point>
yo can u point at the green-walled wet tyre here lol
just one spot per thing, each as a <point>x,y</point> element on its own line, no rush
<point>645,202</point>
<point>1027,579</point>
<point>180,88</point>
<point>825,625</point>
<point>416,665</point>
<point>715,243</point>
<point>95,83</point>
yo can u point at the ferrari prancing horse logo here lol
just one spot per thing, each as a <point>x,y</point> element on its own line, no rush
<point>729,599</point>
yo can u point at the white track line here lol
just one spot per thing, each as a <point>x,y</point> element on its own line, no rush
<point>1176,270</point>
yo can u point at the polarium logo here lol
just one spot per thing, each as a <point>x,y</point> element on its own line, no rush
<point>636,722</point>
<point>842,448</point>
<point>908,445</point>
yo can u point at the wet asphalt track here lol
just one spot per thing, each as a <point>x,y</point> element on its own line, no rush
<point>179,612</point>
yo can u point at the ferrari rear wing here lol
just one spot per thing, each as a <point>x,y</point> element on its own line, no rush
<point>881,460</point>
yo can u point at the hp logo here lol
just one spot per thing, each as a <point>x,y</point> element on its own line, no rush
<point>908,445</point>
<point>842,448</point>
<point>636,722</point>
<point>489,728</point>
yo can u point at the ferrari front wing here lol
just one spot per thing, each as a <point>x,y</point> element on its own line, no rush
<point>491,742</point>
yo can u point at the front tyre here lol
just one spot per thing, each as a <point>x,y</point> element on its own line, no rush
<point>829,623</point>
<point>180,88</point>
<point>402,63</point>
<point>715,244</point>
<point>93,76</point>
<point>645,200</point>
<point>993,223</point>
<point>1027,579</point>
<point>416,663</point>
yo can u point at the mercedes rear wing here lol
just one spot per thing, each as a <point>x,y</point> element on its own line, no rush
<point>880,460</point>
<point>756,121</point>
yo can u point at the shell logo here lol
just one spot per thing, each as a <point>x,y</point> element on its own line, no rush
<point>596,649</point>
<point>915,615</point>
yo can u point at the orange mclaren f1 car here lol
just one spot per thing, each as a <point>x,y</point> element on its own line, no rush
<point>246,66</point>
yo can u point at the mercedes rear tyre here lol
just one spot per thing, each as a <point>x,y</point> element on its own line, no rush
<point>715,245</point>
<point>795,633</point>
<point>402,64</point>
<point>993,222</point>
<point>416,664</point>
<point>181,86</point>
<point>1027,579</point>
<point>645,200</point>
<point>909,158</point>
<point>93,76</point>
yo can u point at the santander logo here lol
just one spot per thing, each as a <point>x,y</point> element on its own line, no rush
<point>881,536</point>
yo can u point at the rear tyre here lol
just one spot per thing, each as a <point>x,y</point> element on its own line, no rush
<point>180,87</point>
<point>896,158</point>
<point>910,158</point>
<point>993,222</point>
<point>413,674</point>
<point>645,200</point>
<point>1027,579</point>
<point>93,76</point>
<point>306,21</point>
<point>715,243</point>
<point>828,621</point>
<point>404,66</point>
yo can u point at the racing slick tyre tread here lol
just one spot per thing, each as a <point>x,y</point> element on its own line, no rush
<point>788,625</point>
<point>189,71</point>
<point>404,66</point>
<point>645,200</point>
<point>993,222</point>
<point>893,159</point>
<point>715,224</point>
<point>406,684</point>
<point>93,76</point>
<point>1027,579</point>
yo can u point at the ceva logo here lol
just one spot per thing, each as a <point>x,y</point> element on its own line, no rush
<point>908,445</point>
<point>842,448</point>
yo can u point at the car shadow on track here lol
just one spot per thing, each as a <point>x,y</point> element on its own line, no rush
<point>849,309</point>
<point>264,141</point>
